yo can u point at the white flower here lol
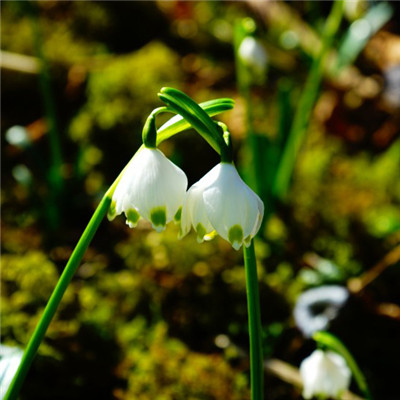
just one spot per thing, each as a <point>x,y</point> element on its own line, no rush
<point>222,202</point>
<point>253,54</point>
<point>324,374</point>
<point>152,187</point>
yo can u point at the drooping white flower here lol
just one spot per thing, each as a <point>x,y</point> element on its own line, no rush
<point>324,374</point>
<point>152,187</point>
<point>222,202</point>
<point>253,54</point>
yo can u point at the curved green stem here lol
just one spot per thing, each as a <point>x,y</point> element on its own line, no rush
<point>332,342</point>
<point>178,123</point>
<point>149,134</point>
<point>198,118</point>
<point>56,297</point>
<point>253,307</point>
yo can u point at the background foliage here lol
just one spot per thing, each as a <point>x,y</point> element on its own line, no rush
<point>150,317</point>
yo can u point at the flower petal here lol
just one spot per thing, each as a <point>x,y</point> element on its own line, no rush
<point>152,186</point>
<point>232,207</point>
<point>194,213</point>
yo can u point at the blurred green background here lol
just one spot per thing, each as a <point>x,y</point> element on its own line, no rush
<point>151,317</point>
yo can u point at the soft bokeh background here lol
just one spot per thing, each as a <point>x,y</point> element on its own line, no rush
<point>151,317</point>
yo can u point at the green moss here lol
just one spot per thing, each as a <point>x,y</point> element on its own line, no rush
<point>164,368</point>
<point>121,92</point>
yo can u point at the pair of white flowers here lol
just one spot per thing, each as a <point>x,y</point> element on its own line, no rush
<point>154,188</point>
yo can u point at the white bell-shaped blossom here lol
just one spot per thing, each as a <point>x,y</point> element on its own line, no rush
<point>223,203</point>
<point>253,54</point>
<point>325,374</point>
<point>151,187</point>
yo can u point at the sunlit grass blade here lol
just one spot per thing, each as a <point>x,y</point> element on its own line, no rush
<point>54,173</point>
<point>273,148</point>
<point>360,32</point>
<point>306,103</point>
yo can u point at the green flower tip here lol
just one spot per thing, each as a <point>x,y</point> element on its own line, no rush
<point>132,217</point>
<point>178,216</point>
<point>158,218</point>
<point>235,236</point>
<point>201,232</point>
<point>112,211</point>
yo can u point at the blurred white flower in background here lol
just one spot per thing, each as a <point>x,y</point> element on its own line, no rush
<point>253,55</point>
<point>325,374</point>
<point>17,136</point>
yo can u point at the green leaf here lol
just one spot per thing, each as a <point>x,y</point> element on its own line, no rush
<point>198,118</point>
<point>178,123</point>
<point>333,343</point>
<point>305,104</point>
<point>360,32</point>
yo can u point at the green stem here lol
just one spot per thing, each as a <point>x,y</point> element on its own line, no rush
<point>149,134</point>
<point>58,293</point>
<point>253,307</point>
<point>332,342</point>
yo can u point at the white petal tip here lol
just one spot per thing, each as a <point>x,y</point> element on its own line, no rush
<point>158,228</point>
<point>236,245</point>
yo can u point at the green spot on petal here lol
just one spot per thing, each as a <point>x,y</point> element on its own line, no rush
<point>235,236</point>
<point>201,232</point>
<point>112,211</point>
<point>158,218</point>
<point>178,215</point>
<point>132,217</point>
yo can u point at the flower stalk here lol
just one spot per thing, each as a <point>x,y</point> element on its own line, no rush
<point>253,307</point>
<point>57,295</point>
